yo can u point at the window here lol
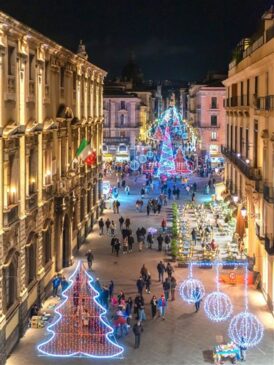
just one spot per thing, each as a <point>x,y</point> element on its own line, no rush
<point>11,61</point>
<point>213,136</point>
<point>123,105</point>
<point>62,77</point>
<point>213,102</point>
<point>122,119</point>
<point>30,260</point>
<point>10,281</point>
<point>213,149</point>
<point>31,67</point>
<point>47,244</point>
<point>256,86</point>
<point>82,206</point>
<point>213,120</point>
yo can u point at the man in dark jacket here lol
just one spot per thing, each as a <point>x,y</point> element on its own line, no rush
<point>140,285</point>
<point>130,243</point>
<point>121,221</point>
<point>166,288</point>
<point>160,240</point>
<point>90,259</point>
<point>137,330</point>
<point>101,226</point>
<point>161,269</point>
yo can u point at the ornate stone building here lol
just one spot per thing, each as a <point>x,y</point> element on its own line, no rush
<point>249,146</point>
<point>50,100</point>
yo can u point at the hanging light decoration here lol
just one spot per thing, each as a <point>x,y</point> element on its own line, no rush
<point>191,290</point>
<point>134,165</point>
<point>142,159</point>
<point>150,154</point>
<point>218,306</point>
<point>245,329</point>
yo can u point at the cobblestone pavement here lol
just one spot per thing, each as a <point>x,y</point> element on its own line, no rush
<point>184,337</point>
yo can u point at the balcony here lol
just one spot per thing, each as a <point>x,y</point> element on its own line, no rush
<point>268,193</point>
<point>10,215</point>
<point>116,140</point>
<point>264,103</point>
<point>249,171</point>
<point>48,191</point>
<point>269,245</point>
<point>238,101</point>
<point>31,202</point>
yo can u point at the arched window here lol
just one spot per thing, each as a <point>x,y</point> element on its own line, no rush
<point>10,280</point>
<point>122,119</point>
<point>89,200</point>
<point>30,260</point>
<point>47,243</point>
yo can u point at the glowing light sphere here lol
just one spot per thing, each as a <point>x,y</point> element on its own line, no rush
<point>246,330</point>
<point>218,306</point>
<point>150,154</point>
<point>142,159</point>
<point>188,290</point>
<point>134,165</point>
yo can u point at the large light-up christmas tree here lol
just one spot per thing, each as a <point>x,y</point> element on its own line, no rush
<point>81,328</point>
<point>166,163</point>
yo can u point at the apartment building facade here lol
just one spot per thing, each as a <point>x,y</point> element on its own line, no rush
<point>249,146</point>
<point>50,100</point>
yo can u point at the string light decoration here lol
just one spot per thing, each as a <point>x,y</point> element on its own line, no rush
<point>134,165</point>
<point>245,329</point>
<point>166,163</point>
<point>142,159</point>
<point>191,290</point>
<point>218,306</point>
<point>81,328</point>
<point>150,154</point>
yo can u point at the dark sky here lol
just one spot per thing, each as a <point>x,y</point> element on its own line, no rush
<point>171,39</point>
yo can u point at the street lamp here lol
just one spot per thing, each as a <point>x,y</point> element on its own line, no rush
<point>247,161</point>
<point>235,199</point>
<point>243,212</point>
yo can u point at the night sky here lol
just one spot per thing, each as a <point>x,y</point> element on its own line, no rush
<point>171,39</point>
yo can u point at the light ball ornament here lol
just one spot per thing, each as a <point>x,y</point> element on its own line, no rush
<point>245,330</point>
<point>192,290</point>
<point>134,165</point>
<point>142,159</point>
<point>218,306</point>
<point>150,154</point>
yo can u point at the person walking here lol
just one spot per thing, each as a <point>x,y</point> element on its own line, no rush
<point>149,240</point>
<point>148,283</point>
<point>198,299</point>
<point>101,226</point>
<point>127,223</point>
<point>127,190</point>
<point>169,193</point>
<point>117,247</point>
<point>169,270</point>
<point>111,289</point>
<point>107,225</point>
<point>173,285</point>
<point>166,288</point>
<point>167,242</point>
<point>194,235</point>
<point>193,197</point>
<point>56,281</point>
<point>137,330</point>
<point>144,272</point>
<point>112,228</point>
<point>161,269</point>
<point>114,206</point>
<point>140,285</point>
<point>139,307</point>
<point>90,258</point>
<point>112,243</point>
<point>162,304</point>
<point>163,225</point>
<point>160,240</point>
<point>148,209</point>
<point>125,245</point>
<point>153,306</point>
<point>121,221</point>
<point>130,242</point>
<point>117,206</point>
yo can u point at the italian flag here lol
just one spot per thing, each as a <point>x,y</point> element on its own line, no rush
<point>84,150</point>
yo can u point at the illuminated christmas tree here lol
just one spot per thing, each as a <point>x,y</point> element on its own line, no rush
<point>158,134</point>
<point>166,163</point>
<point>81,328</point>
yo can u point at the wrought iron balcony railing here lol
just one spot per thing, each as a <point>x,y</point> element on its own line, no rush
<point>269,245</point>
<point>249,171</point>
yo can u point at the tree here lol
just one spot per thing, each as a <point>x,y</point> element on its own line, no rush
<point>80,329</point>
<point>166,163</point>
